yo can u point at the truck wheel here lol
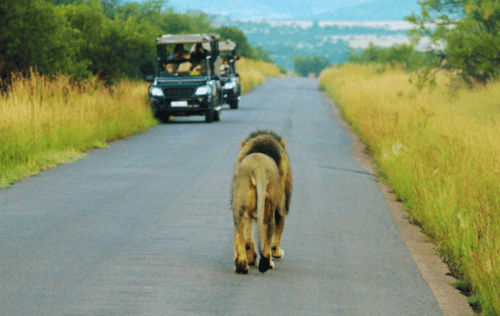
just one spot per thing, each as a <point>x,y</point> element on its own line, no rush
<point>209,115</point>
<point>233,104</point>
<point>163,118</point>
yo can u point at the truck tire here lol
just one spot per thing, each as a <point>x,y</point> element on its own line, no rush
<point>209,115</point>
<point>233,104</point>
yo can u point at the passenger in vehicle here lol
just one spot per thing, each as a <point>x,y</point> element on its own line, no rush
<point>225,69</point>
<point>178,54</point>
<point>198,57</point>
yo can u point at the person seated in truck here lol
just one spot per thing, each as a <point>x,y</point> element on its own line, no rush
<point>198,57</point>
<point>199,54</point>
<point>224,68</point>
<point>178,54</point>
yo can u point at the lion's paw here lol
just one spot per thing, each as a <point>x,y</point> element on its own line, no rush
<point>241,267</point>
<point>278,253</point>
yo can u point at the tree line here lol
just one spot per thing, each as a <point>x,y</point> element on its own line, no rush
<point>403,56</point>
<point>106,38</point>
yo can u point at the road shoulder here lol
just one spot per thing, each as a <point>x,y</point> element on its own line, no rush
<point>434,271</point>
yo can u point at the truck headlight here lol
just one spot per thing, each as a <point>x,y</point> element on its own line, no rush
<point>229,85</point>
<point>157,92</point>
<point>203,90</point>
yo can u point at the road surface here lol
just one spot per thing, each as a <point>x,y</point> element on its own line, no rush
<point>144,227</point>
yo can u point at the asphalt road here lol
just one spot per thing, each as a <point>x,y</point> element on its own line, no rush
<point>144,227</point>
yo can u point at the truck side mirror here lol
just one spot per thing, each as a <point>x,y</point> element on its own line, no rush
<point>150,78</point>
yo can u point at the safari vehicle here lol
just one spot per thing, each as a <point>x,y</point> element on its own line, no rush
<point>187,81</point>
<point>230,79</point>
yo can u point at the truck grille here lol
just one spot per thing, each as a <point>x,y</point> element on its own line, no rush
<point>179,91</point>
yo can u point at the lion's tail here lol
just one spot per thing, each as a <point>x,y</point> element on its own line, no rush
<point>259,180</point>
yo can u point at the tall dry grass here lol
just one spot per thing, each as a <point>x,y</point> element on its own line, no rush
<point>252,73</point>
<point>440,152</point>
<point>48,121</point>
<point>45,122</point>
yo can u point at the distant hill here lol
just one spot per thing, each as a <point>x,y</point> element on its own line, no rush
<point>332,40</point>
<point>377,10</point>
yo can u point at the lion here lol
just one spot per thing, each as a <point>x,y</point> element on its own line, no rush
<point>255,199</point>
<point>261,155</point>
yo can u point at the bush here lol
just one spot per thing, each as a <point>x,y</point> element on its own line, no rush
<point>468,31</point>
<point>310,64</point>
<point>404,57</point>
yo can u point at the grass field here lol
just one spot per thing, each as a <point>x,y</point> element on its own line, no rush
<point>440,152</point>
<point>45,122</point>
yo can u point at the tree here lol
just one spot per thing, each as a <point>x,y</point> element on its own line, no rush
<point>112,48</point>
<point>33,35</point>
<point>62,2</point>
<point>237,36</point>
<point>260,53</point>
<point>467,31</point>
<point>310,64</point>
<point>401,56</point>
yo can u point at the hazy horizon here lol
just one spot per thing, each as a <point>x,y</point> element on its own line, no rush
<point>266,10</point>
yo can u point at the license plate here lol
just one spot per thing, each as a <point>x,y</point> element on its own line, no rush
<point>178,103</point>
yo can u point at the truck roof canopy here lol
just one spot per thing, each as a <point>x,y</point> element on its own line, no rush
<point>186,38</point>
<point>225,46</point>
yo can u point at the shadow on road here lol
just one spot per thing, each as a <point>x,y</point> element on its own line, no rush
<point>347,170</point>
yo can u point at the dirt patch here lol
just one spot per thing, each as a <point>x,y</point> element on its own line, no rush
<point>434,271</point>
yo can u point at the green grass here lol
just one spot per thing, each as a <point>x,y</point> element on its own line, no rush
<point>440,153</point>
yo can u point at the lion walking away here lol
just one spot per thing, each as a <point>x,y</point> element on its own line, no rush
<point>261,194</point>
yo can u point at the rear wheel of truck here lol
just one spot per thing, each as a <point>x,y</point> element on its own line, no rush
<point>163,118</point>
<point>209,115</point>
<point>233,104</point>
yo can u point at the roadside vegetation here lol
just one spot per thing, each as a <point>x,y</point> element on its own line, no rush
<point>70,80</point>
<point>92,38</point>
<point>46,121</point>
<point>305,65</point>
<point>438,149</point>
<point>403,57</point>
<point>432,123</point>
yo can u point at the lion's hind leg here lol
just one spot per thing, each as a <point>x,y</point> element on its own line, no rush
<point>240,257</point>
<point>250,247</point>
<point>268,227</point>
<point>277,252</point>
<point>243,215</point>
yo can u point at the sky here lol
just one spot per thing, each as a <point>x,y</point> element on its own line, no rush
<point>263,9</point>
